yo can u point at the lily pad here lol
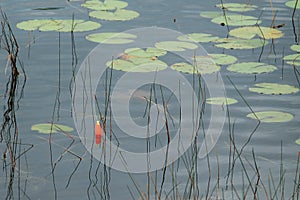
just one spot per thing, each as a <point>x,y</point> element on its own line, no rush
<point>197,37</point>
<point>150,52</point>
<point>221,101</point>
<point>106,5</point>
<point>292,4</point>
<point>58,25</point>
<point>211,14</point>
<point>293,59</point>
<point>139,60</point>
<point>45,128</point>
<point>297,141</point>
<point>237,7</point>
<point>118,15</point>
<point>273,88</point>
<point>272,116</point>
<point>223,59</point>
<point>295,47</point>
<point>249,32</point>
<point>175,45</point>
<point>111,38</point>
<point>237,43</point>
<point>205,67</point>
<point>137,65</point>
<point>251,68</point>
<point>236,20</point>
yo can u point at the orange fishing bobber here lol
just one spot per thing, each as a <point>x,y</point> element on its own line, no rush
<point>98,132</point>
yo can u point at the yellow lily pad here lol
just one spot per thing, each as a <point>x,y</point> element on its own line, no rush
<point>249,32</point>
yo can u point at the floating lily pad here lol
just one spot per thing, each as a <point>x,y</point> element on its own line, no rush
<point>292,4</point>
<point>137,65</point>
<point>236,20</point>
<point>295,47</point>
<point>111,38</point>
<point>249,32</point>
<point>237,43</point>
<point>118,15</point>
<point>175,45</point>
<point>273,88</point>
<point>272,116</point>
<point>58,25</point>
<point>106,5</point>
<point>221,101</point>
<point>139,60</point>
<point>45,128</point>
<point>223,59</point>
<point>211,14</point>
<point>150,52</point>
<point>205,67</point>
<point>237,7</point>
<point>297,141</point>
<point>293,59</point>
<point>251,68</point>
<point>197,37</point>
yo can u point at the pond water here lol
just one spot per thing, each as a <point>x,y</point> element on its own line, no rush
<point>61,165</point>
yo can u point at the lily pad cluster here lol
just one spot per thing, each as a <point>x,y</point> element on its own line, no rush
<point>242,37</point>
<point>112,10</point>
<point>60,25</point>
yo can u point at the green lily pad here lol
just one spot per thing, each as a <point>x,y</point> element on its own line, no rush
<point>137,65</point>
<point>249,32</point>
<point>58,25</point>
<point>251,68</point>
<point>221,101</point>
<point>223,59</point>
<point>197,37</point>
<point>175,45</point>
<point>271,116</point>
<point>118,15</point>
<point>45,128</point>
<point>237,43</point>
<point>203,67</point>
<point>211,14</point>
<point>237,7</point>
<point>295,47</point>
<point>139,60</point>
<point>150,52</point>
<point>292,4</point>
<point>111,38</point>
<point>106,5</point>
<point>273,88</point>
<point>297,141</point>
<point>293,59</point>
<point>236,20</point>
